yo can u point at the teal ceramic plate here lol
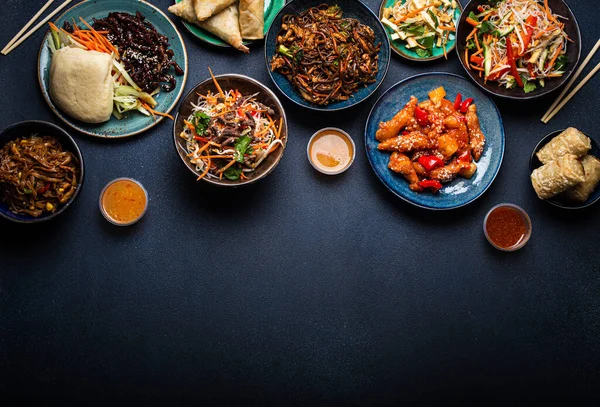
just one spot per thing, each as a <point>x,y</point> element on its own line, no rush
<point>461,191</point>
<point>134,122</point>
<point>399,46</point>
<point>272,7</point>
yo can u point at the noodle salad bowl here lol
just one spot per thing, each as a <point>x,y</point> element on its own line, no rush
<point>242,136</point>
<point>543,67</point>
<point>41,128</point>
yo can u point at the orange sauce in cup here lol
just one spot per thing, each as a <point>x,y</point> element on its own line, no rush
<point>124,201</point>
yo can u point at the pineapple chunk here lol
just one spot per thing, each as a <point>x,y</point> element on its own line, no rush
<point>437,95</point>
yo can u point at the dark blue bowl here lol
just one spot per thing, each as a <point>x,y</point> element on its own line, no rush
<point>352,9</point>
<point>48,129</point>
<point>461,191</point>
<point>558,201</point>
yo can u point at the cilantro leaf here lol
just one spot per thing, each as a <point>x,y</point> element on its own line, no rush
<point>473,16</point>
<point>201,122</point>
<point>486,27</point>
<point>529,87</point>
<point>416,30</point>
<point>241,147</point>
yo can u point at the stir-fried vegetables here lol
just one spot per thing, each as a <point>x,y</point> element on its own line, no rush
<point>127,95</point>
<point>517,43</point>
<point>229,134</point>
<point>326,57</point>
<point>422,24</point>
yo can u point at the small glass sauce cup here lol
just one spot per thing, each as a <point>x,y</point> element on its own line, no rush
<point>341,134</point>
<point>523,217</point>
<point>104,211</point>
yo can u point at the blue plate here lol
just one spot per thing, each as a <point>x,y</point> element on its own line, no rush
<point>134,122</point>
<point>351,9</point>
<point>461,191</point>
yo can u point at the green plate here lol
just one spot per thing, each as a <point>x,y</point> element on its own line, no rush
<point>134,122</point>
<point>272,7</point>
<point>399,46</point>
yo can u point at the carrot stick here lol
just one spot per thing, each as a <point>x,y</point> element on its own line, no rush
<point>227,166</point>
<point>472,22</point>
<point>216,83</point>
<point>154,112</point>
<point>446,28</point>
<point>205,171</point>
<point>560,47</point>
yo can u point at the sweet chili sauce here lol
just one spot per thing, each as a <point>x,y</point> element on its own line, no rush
<point>507,226</point>
<point>124,201</point>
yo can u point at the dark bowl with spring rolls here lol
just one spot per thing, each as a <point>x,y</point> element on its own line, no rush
<point>42,170</point>
<point>573,158</point>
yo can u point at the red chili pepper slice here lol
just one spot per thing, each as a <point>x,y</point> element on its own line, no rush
<point>511,61</point>
<point>531,23</point>
<point>44,188</point>
<point>202,139</point>
<point>405,133</point>
<point>432,184</point>
<point>421,116</point>
<point>462,118</point>
<point>465,105</point>
<point>457,102</point>
<point>476,59</point>
<point>429,162</point>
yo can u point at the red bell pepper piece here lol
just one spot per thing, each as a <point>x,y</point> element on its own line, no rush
<point>531,23</point>
<point>432,184</point>
<point>465,105</point>
<point>511,61</point>
<point>465,156</point>
<point>44,188</point>
<point>429,162</point>
<point>457,102</point>
<point>421,116</point>
<point>476,59</point>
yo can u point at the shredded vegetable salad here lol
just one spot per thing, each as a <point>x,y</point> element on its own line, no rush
<point>423,24</point>
<point>229,134</point>
<point>517,43</point>
<point>127,95</point>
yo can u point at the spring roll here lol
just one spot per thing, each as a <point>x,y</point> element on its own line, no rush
<point>205,9</point>
<point>185,10</point>
<point>570,141</point>
<point>581,193</point>
<point>252,19</point>
<point>225,25</point>
<point>557,176</point>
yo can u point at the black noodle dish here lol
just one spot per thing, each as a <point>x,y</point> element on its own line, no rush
<point>37,175</point>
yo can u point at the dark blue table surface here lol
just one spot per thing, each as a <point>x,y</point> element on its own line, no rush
<point>301,289</point>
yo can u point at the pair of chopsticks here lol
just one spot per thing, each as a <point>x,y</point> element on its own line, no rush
<point>18,40</point>
<point>557,105</point>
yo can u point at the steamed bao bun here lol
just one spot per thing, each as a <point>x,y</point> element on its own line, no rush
<point>81,84</point>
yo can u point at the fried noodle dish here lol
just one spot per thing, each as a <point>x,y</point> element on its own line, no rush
<point>434,141</point>
<point>325,56</point>
<point>229,134</point>
<point>36,175</point>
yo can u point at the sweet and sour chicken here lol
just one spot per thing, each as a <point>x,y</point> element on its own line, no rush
<point>434,141</point>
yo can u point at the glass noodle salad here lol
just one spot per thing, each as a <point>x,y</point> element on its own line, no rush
<point>422,24</point>
<point>517,43</point>
<point>229,134</point>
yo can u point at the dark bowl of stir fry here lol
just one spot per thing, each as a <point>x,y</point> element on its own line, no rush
<point>41,172</point>
<point>518,49</point>
<point>230,130</point>
<point>327,56</point>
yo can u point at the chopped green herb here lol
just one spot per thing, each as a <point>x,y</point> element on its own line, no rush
<point>433,17</point>
<point>473,16</point>
<point>232,174</point>
<point>241,148</point>
<point>529,87</point>
<point>201,122</point>
<point>486,27</point>
<point>423,53</point>
<point>426,42</point>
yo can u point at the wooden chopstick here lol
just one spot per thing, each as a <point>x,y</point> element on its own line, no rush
<point>571,82</point>
<point>37,27</point>
<point>26,26</point>
<point>564,102</point>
